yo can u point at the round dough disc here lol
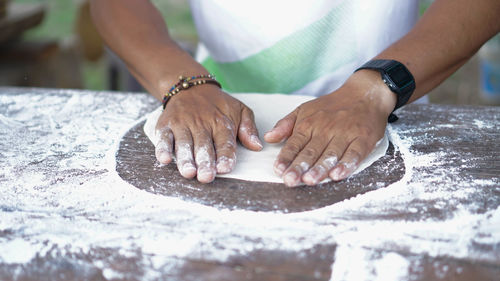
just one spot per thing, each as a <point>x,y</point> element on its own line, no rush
<point>137,165</point>
<point>268,109</point>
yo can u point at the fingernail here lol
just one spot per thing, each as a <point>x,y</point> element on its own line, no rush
<point>163,152</point>
<point>348,169</point>
<point>188,170</point>
<point>224,165</point>
<point>330,162</point>
<point>311,177</point>
<point>164,157</point>
<point>336,173</point>
<point>304,166</point>
<point>266,134</point>
<point>279,169</point>
<point>344,174</point>
<point>255,139</point>
<point>290,179</point>
<point>206,175</point>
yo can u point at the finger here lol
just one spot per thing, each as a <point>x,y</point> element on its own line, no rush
<point>204,155</point>
<point>247,131</point>
<point>164,147</point>
<point>304,160</point>
<point>288,153</point>
<point>282,130</point>
<point>184,152</point>
<point>325,163</point>
<point>225,149</point>
<point>354,154</point>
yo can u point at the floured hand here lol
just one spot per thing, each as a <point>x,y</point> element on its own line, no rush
<point>331,135</point>
<point>258,165</point>
<point>200,127</point>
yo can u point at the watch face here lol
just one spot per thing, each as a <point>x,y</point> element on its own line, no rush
<point>400,76</point>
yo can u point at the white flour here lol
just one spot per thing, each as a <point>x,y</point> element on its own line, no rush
<point>61,197</point>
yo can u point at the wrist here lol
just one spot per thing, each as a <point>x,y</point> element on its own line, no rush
<point>170,77</point>
<point>187,82</point>
<point>161,72</point>
<point>375,90</point>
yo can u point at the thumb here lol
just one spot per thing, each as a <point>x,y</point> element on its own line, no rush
<point>247,131</point>
<point>283,129</point>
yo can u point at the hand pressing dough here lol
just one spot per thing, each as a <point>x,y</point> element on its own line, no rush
<point>268,109</point>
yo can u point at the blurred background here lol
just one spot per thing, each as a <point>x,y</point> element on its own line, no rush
<point>53,43</point>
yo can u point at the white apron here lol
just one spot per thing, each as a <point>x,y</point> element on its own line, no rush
<point>295,47</point>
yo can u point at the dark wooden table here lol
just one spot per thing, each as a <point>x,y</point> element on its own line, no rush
<point>81,198</point>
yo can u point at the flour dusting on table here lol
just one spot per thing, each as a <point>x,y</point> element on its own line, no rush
<point>61,201</point>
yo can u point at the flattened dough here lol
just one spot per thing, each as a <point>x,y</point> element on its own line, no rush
<point>268,109</point>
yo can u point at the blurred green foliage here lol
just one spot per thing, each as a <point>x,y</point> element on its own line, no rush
<point>424,4</point>
<point>58,21</point>
<point>178,16</point>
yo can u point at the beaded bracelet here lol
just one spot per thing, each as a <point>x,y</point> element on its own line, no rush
<point>185,83</point>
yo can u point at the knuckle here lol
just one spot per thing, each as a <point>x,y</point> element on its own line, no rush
<point>199,122</point>
<point>229,145</point>
<point>224,123</point>
<point>337,145</point>
<point>330,153</point>
<point>301,135</point>
<point>248,127</point>
<point>365,130</point>
<point>352,155</point>
<point>323,114</point>
<point>201,137</point>
<point>249,111</point>
<point>183,146</point>
<point>292,147</point>
<point>309,152</point>
<point>164,132</point>
<point>284,160</point>
<point>221,118</point>
<point>362,130</point>
<point>299,168</point>
<point>342,114</point>
<point>304,125</point>
<point>174,121</point>
<point>286,156</point>
<point>330,157</point>
<point>163,145</point>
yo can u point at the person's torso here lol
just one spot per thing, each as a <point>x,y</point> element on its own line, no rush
<point>296,47</point>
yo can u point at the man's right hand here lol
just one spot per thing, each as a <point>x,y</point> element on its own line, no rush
<point>200,126</point>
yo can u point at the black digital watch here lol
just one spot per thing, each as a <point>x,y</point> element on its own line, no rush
<point>397,77</point>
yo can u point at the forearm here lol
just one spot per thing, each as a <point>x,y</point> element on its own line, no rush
<point>447,35</point>
<point>137,33</point>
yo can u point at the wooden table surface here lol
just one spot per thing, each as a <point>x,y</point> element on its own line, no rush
<point>79,200</point>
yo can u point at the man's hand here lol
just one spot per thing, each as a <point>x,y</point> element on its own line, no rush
<point>200,126</point>
<point>331,135</point>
